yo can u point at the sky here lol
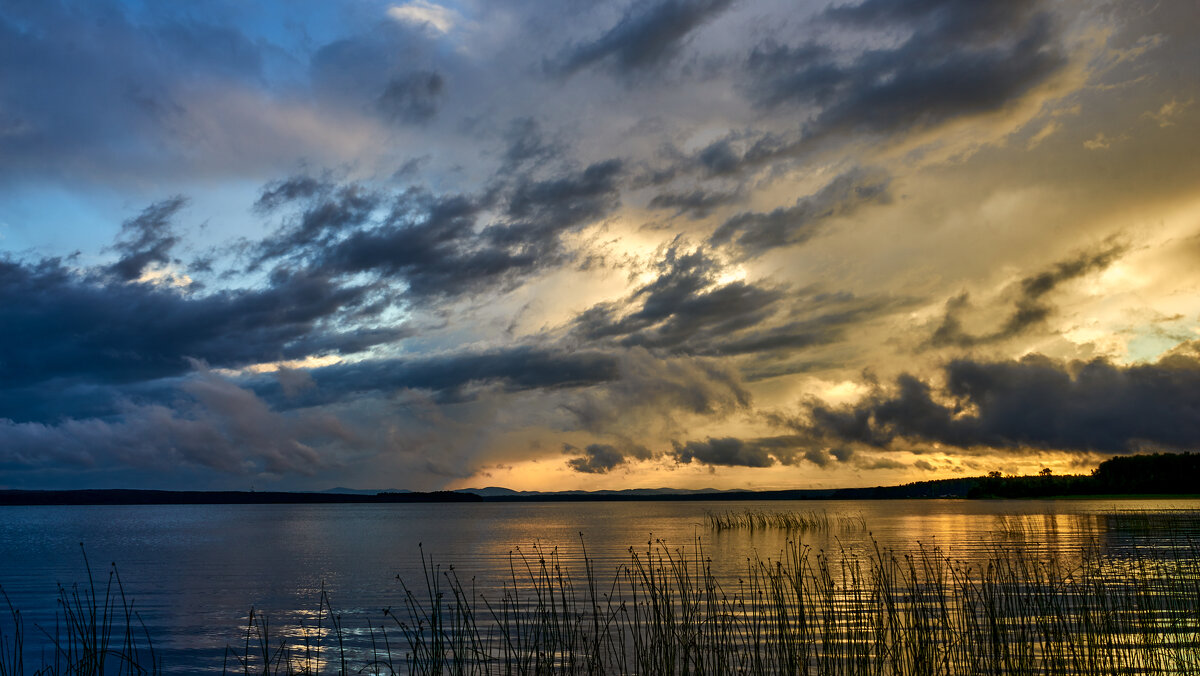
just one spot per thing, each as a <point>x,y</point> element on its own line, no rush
<point>554,244</point>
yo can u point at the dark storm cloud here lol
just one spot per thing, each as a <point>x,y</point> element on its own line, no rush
<point>437,245</point>
<point>76,326</point>
<point>147,239</point>
<point>958,19</point>
<point>955,59</point>
<point>413,97</point>
<point>727,451</point>
<point>651,390</point>
<point>1034,402</point>
<point>682,308</point>
<point>1030,309</point>
<point>516,368</point>
<point>328,211</point>
<point>385,70</point>
<point>645,37</point>
<point>277,193</point>
<point>110,102</point>
<point>1036,286</point>
<point>603,391</point>
<point>702,319</point>
<point>561,204</point>
<point>696,203</point>
<point>94,326</point>
<point>719,158</point>
<point>526,144</point>
<point>756,233</point>
<point>596,459</point>
<point>685,310</point>
<point>108,91</point>
<point>961,57</point>
<point>882,463</point>
<point>436,252</point>
<point>757,452</point>
<point>212,424</point>
<point>832,315</point>
<point>730,157</point>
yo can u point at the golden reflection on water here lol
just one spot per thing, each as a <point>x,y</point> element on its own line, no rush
<point>967,532</point>
<point>970,534</point>
<point>197,571</point>
<point>1070,553</point>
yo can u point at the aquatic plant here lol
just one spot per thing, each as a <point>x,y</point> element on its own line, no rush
<point>92,634</point>
<point>876,612</point>
<point>799,522</point>
<point>871,612</point>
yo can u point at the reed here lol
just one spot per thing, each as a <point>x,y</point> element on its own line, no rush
<point>93,633</point>
<point>792,522</point>
<point>315,648</point>
<point>876,612</point>
<point>869,612</point>
<point>887,613</point>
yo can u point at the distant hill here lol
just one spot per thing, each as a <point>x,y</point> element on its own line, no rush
<point>140,497</point>
<point>496,491</point>
<point>1154,474</point>
<point>340,490</point>
<point>1146,474</point>
<point>488,492</point>
<point>942,488</point>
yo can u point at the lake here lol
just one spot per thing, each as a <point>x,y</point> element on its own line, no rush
<point>194,572</point>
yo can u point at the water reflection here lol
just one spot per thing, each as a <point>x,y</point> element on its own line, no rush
<point>196,571</point>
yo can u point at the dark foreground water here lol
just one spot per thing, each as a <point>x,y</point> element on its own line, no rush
<point>194,572</point>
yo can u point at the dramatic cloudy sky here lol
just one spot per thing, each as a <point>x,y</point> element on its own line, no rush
<point>553,244</point>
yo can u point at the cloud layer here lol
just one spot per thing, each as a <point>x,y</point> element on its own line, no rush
<point>1033,402</point>
<point>562,245</point>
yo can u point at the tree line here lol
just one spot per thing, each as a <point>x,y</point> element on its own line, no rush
<point>1156,473</point>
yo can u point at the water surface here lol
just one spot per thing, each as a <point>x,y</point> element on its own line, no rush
<point>196,570</point>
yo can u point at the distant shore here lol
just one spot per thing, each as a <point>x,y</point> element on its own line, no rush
<point>1155,475</point>
<point>943,488</point>
<point>12,498</point>
<point>155,497</point>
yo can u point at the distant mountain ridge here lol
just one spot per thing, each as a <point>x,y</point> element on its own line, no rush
<point>497,491</point>
<point>938,488</point>
<point>1156,474</point>
<point>342,490</point>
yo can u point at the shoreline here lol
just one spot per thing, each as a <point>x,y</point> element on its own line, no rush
<point>102,497</point>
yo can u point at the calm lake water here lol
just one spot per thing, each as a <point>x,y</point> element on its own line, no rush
<point>195,571</point>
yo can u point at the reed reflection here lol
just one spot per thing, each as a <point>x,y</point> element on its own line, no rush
<point>619,577</point>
